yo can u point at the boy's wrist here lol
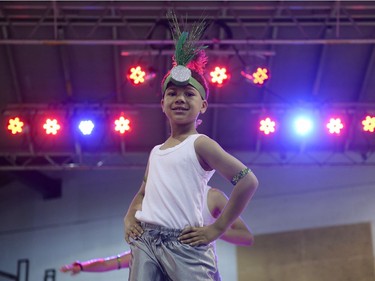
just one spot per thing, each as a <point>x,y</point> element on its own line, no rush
<point>220,226</point>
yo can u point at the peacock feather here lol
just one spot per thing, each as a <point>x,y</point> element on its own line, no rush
<point>187,44</point>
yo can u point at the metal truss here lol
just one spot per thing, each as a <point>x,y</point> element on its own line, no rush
<point>35,107</point>
<point>107,161</point>
<point>46,19</point>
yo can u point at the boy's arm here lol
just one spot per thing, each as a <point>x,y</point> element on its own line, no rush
<point>133,227</point>
<point>238,233</point>
<point>99,265</point>
<point>212,156</point>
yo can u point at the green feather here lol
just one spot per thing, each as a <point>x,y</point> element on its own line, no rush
<point>179,52</point>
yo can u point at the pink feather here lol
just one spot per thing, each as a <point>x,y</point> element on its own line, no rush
<point>198,63</point>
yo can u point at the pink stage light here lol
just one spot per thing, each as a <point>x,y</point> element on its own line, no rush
<point>51,126</point>
<point>267,126</point>
<point>219,76</point>
<point>122,125</point>
<point>335,126</point>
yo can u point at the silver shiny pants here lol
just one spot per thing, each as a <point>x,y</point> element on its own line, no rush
<point>158,256</point>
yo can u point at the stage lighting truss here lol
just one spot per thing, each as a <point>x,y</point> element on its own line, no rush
<point>218,76</point>
<point>122,124</point>
<point>40,124</point>
<point>30,125</point>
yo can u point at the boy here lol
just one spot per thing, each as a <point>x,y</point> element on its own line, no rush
<point>164,224</point>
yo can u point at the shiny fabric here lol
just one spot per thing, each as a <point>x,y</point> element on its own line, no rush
<point>158,256</point>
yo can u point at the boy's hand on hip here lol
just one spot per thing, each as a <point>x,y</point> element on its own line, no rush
<point>195,236</point>
<point>133,228</point>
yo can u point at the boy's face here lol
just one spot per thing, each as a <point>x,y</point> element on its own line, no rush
<point>183,104</point>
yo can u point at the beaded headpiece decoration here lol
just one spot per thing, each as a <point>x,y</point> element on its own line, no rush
<point>189,56</point>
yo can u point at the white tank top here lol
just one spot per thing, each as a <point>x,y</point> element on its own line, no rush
<point>206,213</point>
<point>176,182</point>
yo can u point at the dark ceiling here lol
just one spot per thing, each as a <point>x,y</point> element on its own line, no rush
<point>70,59</point>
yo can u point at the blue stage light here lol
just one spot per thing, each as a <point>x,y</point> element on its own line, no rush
<point>303,125</point>
<point>86,127</point>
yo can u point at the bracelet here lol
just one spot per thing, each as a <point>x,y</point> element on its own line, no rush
<point>118,261</point>
<point>240,175</point>
<point>79,265</point>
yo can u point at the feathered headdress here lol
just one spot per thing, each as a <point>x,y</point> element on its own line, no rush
<point>189,55</point>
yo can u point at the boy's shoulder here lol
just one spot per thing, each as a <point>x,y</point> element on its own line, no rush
<point>205,144</point>
<point>204,139</point>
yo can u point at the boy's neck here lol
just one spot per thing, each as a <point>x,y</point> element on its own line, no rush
<point>177,137</point>
<point>182,133</point>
